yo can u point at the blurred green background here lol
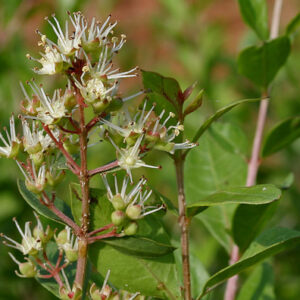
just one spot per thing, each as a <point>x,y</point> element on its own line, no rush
<point>191,41</point>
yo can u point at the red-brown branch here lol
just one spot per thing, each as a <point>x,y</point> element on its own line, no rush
<point>104,168</point>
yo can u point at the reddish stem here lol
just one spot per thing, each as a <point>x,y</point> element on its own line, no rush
<point>104,168</point>
<point>68,131</point>
<point>94,121</point>
<point>94,239</point>
<point>101,229</point>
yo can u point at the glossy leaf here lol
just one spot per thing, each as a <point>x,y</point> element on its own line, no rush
<point>140,246</point>
<point>249,221</point>
<point>281,136</point>
<point>269,243</point>
<point>35,203</point>
<point>217,115</point>
<point>258,194</point>
<point>261,64</point>
<point>163,91</point>
<point>259,285</point>
<point>151,277</point>
<point>255,14</point>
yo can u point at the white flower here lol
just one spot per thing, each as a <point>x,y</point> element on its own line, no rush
<point>12,144</point>
<point>51,61</point>
<point>29,245</point>
<point>68,242</point>
<point>129,159</point>
<point>31,137</point>
<point>131,125</point>
<point>52,109</point>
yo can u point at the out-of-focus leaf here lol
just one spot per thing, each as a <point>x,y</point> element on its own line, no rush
<point>258,194</point>
<point>259,285</point>
<point>269,243</point>
<point>35,203</point>
<point>261,64</point>
<point>219,114</point>
<point>281,136</point>
<point>248,222</point>
<point>195,104</point>
<point>168,203</point>
<point>255,14</point>
<point>293,27</point>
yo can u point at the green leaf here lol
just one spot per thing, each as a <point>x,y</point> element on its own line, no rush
<point>163,91</point>
<point>168,203</point>
<point>151,277</point>
<point>258,194</point>
<point>210,169</point>
<point>248,222</point>
<point>255,14</point>
<point>293,27</point>
<point>269,243</point>
<point>261,64</point>
<point>217,115</point>
<point>140,246</point>
<point>35,203</point>
<point>259,285</point>
<point>281,136</point>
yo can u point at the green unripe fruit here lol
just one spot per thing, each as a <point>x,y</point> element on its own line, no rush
<point>62,237</point>
<point>131,228</point>
<point>28,269</point>
<point>118,217</point>
<point>118,202</point>
<point>44,236</point>
<point>71,255</point>
<point>134,212</point>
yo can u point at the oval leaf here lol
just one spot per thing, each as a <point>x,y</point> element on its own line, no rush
<point>258,194</point>
<point>261,64</point>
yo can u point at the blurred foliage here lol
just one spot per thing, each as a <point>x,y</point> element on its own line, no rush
<point>189,40</point>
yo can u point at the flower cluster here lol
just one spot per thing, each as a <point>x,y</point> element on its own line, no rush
<point>129,206</point>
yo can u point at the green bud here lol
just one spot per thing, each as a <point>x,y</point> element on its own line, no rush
<point>53,180</point>
<point>118,202</point>
<point>15,149</point>
<point>34,188</point>
<point>97,294</point>
<point>168,147</point>
<point>134,212</point>
<point>100,106</point>
<point>28,269</point>
<point>44,236</point>
<point>131,228</point>
<point>114,296</point>
<point>118,217</point>
<point>69,100</point>
<point>131,139</point>
<point>62,237</point>
<point>33,149</point>
<point>72,148</point>
<point>71,255</point>
<point>37,158</point>
<point>151,138</point>
<point>195,104</point>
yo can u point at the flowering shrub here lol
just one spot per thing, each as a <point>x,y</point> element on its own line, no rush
<point>113,244</point>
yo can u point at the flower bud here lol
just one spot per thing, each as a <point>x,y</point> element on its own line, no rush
<point>62,237</point>
<point>34,187</point>
<point>118,202</point>
<point>28,269</point>
<point>195,104</point>
<point>131,228</point>
<point>54,179</point>
<point>37,158</point>
<point>118,217</point>
<point>71,255</point>
<point>33,149</point>
<point>114,296</point>
<point>168,147</point>
<point>43,236</point>
<point>100,106</point>
<point>75,294</point>
<point>72,148</point>
<point>15,149</point>
<point>69,100</point>
<point>97,294</point>
<point>134,211</point>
